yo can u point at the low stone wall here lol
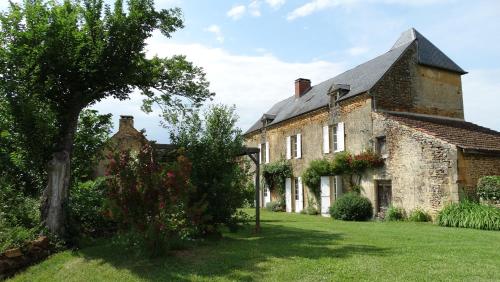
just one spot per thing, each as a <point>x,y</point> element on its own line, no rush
<point>14,260</point>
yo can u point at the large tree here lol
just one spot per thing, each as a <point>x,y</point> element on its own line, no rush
<point>66,55</point>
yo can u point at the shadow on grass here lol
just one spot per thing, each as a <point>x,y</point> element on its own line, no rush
<point>238,256</point>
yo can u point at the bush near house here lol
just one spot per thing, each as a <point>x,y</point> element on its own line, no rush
<point>470,215</point>
<point>488,188</point>
<point>352,206</point>
<point>419,215</point>
<point>275,206</point>
<point>395,214</point>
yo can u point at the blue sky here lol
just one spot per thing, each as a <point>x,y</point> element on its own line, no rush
<point>253,50</point>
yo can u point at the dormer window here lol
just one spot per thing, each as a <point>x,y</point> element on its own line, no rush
<point>340,90</point>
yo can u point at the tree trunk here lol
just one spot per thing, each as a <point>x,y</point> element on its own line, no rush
<point>55,196</point>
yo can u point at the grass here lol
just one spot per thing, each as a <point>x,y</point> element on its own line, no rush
<point>294,247</point>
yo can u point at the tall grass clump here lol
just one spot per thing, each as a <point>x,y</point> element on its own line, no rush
<point>470,215</point>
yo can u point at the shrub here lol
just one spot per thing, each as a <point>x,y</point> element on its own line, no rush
<point>16,236</point>
<point>419,215</point>
<point>152,200</point>
<point>352,206</point>
<point>470,215</point>
<point>488,188</point>
<point>311,210</point>
<point>275,206</point>
<point>87,209</point>
<point>18,209</point>
<point>395,214</point>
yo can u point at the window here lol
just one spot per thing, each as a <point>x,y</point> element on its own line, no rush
<point>265,191</point>
<point>338,137</point>
<point>293,140</point>
<point>381,147</point>
<point>335,138</point>
<point>296,188</point>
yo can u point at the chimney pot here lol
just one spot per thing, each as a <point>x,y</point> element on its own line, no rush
<point>126,122</point>
<point>302,85</point>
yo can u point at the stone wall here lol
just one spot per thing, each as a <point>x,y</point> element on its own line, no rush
<point>410,87</point>
<point>423,169</point>
<point>14,260</point>
<point>310,127</point>
<point>356,115</point>
<point>472,166</point>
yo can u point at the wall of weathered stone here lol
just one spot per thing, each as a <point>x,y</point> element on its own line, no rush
<point>472,166</point>
<point>438,92</point>
<point>410,87</point>
<point>356,115</point>
<point>423,169</point>
<point>310,127</point>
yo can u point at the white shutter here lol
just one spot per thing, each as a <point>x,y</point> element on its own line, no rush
<point>325,194</point>
<point>267,152</point>
<point>288,148</point>
<point>288,194</point>
<point>340,137</point>
<point>326,139</point>
<point>260,154</point>
<point>299,204</point>
<point>299,146</point>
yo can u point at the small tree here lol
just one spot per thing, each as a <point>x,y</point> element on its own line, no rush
<point>58,58</point>
<point>213,144</point>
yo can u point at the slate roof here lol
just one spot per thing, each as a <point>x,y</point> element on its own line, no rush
<point>461,133</point>
<point>428,53</point>
<point>360,79</point>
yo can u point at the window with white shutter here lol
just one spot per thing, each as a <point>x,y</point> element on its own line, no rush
<point>260,153</point>
<point>267,152</point>
<point>288,147</point>
<point>326,139</point>
<point>340,136</point>
<point>299,146</point>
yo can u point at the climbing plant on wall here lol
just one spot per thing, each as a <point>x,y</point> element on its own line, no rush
<point>312,175</point>
<point>274,175</point>
<point>344,163</point>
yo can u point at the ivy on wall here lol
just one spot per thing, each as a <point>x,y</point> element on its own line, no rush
<point>344,163</point>
<point>274,175</point>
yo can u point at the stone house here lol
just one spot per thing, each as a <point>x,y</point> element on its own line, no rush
<point>129,138</point>
<point>406,105</point>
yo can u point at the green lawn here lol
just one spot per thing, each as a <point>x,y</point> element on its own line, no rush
<point>298,247</point>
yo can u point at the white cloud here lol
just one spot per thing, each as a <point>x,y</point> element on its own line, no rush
<point>254,8</point>
<point>358,50</point>
<point>236,12</point>
<point>215,29</point>
<point>252,83</point>
<point>318,5</point>
<point>275,4</point>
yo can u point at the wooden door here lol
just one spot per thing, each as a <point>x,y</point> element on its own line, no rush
<point>384,195</point>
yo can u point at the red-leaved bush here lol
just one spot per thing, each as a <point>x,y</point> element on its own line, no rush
<point>152,199</point>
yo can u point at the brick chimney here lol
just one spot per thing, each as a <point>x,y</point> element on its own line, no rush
<point>302,85</point>
<point>126,122</point>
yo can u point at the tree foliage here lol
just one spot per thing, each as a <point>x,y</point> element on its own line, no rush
<point>57,58</point>
<point>92,134</point>
<point>212,143</point>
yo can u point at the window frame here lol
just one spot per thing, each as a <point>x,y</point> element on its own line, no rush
<point>335,138</point>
